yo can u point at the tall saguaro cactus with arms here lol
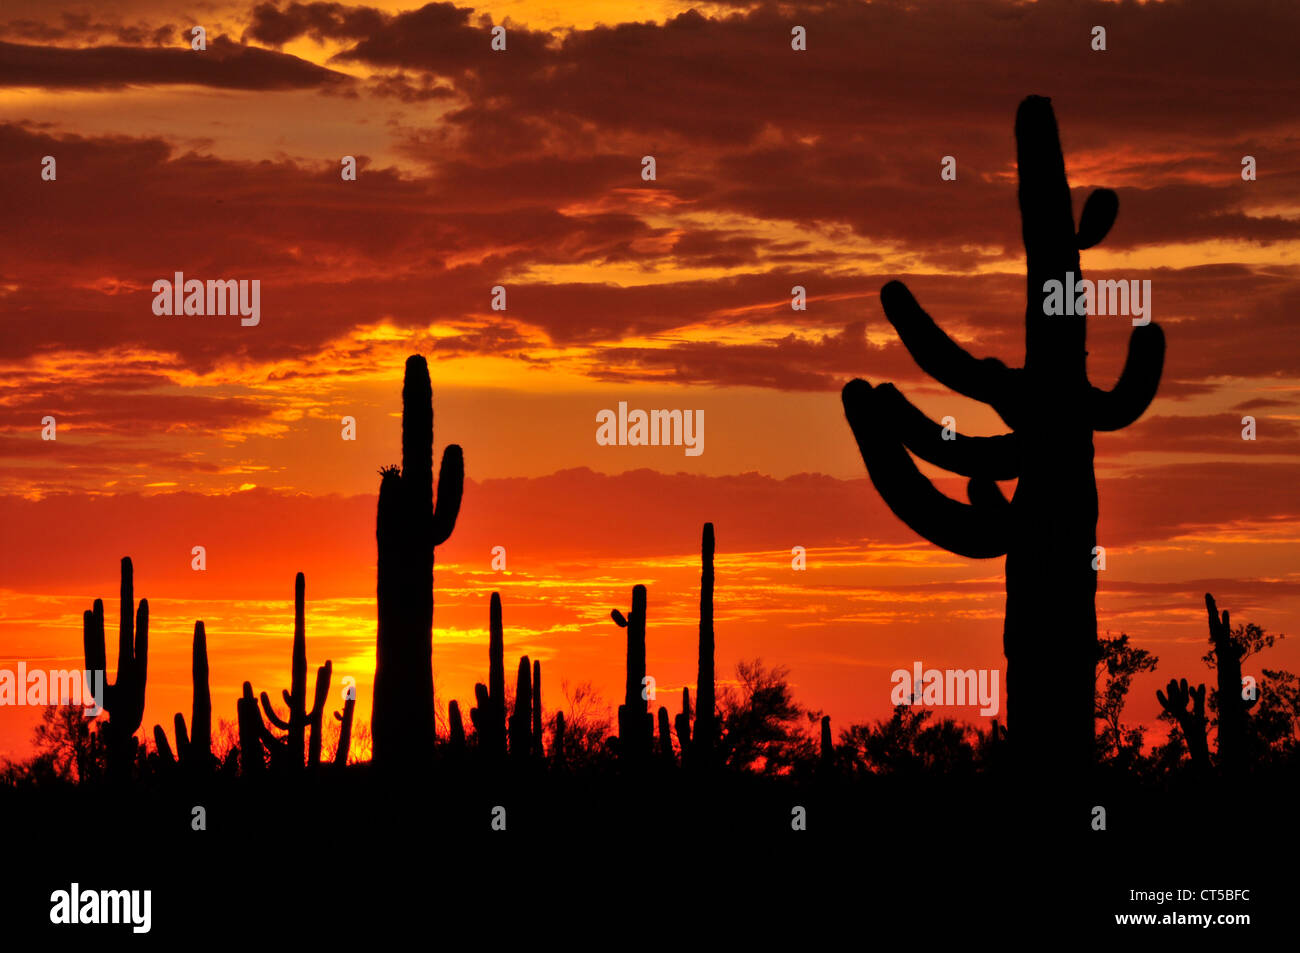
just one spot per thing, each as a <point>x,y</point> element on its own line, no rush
<point>1048,531</point>
<point>408,527</point>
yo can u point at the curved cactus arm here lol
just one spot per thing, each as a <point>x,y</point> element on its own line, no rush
<point>619,619</point>
<point>323,675</point>
<point>1132,394</point>
<point>271,716</point>
<point>978,531</point>
<point>1097,217</point>
<point>451,487</point>
<point>987,380</point>
<point>160,742</point>
<point>994,458</point>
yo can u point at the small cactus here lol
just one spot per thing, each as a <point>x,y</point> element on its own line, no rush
<point>489,715</point>
<point>1192,722</point>
<point>194,751</point>
<point>345,729</point>
<point>123,700</point>
<point>300,718</point>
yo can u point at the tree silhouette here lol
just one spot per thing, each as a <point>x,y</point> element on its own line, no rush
<point>1117,664</point>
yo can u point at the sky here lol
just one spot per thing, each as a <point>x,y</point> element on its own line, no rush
<point>522,169</point>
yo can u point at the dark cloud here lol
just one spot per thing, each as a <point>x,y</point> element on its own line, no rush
<point>224,65</point>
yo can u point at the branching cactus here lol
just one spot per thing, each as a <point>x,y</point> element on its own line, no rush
<point>300,718</point>
<point>1048,531</point>
<point>1234,711</point>
<point>407,529</point>
<point>635,723</point>
<point>489,714</point>
<point>1190,720</point>
<point>193,750</point>
<point>124,699</point>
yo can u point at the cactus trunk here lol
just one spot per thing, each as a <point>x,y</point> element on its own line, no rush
<point>407,528</point>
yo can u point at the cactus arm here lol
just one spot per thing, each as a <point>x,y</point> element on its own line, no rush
<point>182,737</point>
<point>618,618</point>
<point>160,742</point>
<point>1097,217</point>
<point>977,531</point>
<point>271,716</point>
<point>941,357</point>
<point>125,640</point>
<point>1123,404</point>
<point>995,458</point>
<point>323,675</point>
<point>451,487</point>
<point>139,670</point>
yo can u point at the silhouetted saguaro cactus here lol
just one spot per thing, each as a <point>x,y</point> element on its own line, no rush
<point>407,529</point>
<point>489,715</point>
<point>456,733</point>
<point>252,734</point>
<point>706,724</point>
<point>1192,722</point>
<point>665,735</point>
<point>521,722</point>
<point>345,729</point>
<point>635,723</point>
<point>537,709</point>
<point>557,741</point>
<point>683,724</point>
<point>124,699</point>
<point>828,745</point>
<point>1234,710</point>
<point>193,750</point>
<point>1048,532</point>
<point>300,718</point>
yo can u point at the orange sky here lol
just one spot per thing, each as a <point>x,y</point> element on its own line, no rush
<point>522,169</point>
